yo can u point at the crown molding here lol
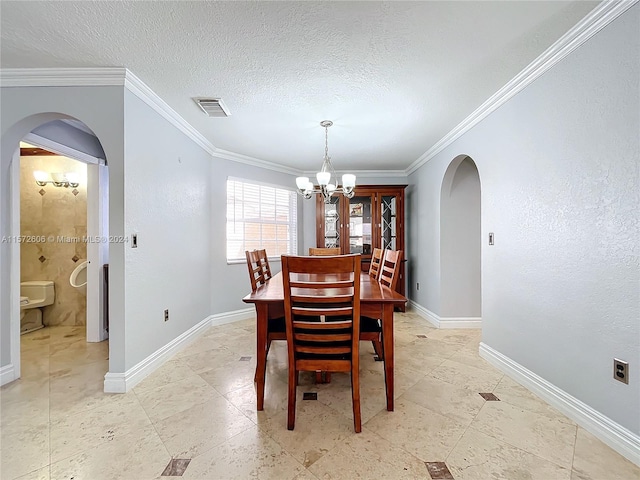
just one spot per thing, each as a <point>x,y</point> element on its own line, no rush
<point>364,173</point>
<point>62,77</point>
<point>596,20</point>
<point>255,162</point>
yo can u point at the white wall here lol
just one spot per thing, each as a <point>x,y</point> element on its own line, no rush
<point>167,204</point>
<point>559,165</point>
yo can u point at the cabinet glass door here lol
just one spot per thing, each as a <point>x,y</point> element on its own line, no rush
<point>388,222</point>
<point>360,222</point>
<point>332,223</point>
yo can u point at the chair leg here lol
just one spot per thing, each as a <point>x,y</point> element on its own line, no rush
<point>355,396</point>
<point>291,404</point>
<point>377,347</point>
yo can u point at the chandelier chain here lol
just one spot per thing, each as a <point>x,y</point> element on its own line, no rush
<point>326,141</point>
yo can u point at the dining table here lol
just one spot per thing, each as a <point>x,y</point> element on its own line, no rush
<point>376,301</point>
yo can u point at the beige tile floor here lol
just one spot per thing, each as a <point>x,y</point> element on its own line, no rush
<point>58,424</point>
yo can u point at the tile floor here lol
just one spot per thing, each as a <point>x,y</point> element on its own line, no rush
<point>195,417</point>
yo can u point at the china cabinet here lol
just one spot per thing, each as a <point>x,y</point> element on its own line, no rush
<point>374,217</point>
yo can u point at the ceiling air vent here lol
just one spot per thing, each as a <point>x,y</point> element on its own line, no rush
<point>213,107</point>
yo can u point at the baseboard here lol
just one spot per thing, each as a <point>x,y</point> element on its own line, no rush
<point>234,316</point>
<point>7,374</point>
<point>428,315</point>
<point>622,440</point>
<point>123,382</point>
<point>445,322</point>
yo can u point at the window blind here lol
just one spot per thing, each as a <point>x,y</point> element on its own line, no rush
<point>260,216</point>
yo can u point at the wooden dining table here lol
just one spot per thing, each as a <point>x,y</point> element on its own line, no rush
<point>376,301</point>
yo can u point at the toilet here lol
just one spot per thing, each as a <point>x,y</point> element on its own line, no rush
<point>33,296</point>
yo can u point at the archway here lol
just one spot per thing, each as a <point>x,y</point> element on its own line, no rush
<point>460,245</point>
<point>67,137</point>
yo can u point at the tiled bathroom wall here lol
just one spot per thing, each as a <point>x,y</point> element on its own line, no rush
<point>57,215</point>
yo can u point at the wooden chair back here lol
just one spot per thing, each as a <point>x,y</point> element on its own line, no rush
<point>390,268</point>
<point>322,316</point>
<point>264,263</point>
<point>323,251</point>
<point>376,259</point>
<point>259,268</point>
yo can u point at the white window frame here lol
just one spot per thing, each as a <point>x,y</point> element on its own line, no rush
<point>292,205</point>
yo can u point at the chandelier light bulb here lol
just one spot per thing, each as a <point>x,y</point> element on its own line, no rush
<point>348,180</point>
<point>323,177</point>
<point>302,182</point>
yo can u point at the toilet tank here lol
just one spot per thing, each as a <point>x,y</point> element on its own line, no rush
<point>38,291</point>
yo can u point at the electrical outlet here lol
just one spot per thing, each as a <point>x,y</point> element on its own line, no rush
<point>417,285</point>
<point>621,370</point>
<point>491,238</point>
<point>134,240</point>
<point>166,315</point>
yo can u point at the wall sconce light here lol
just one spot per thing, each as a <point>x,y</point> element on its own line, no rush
<point>70,179</point>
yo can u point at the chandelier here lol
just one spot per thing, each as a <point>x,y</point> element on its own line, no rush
<point>327,178</point>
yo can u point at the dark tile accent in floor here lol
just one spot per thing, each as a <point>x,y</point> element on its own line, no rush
<point>245,359</point>
<point>310,396</point>
<point>489,397</point>
<point>176,467</point>
<point>421,336</point>
<point>439,471</point>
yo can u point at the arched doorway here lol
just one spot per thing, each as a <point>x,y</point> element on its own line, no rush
<point>460,245</point>
<point>70,138</point>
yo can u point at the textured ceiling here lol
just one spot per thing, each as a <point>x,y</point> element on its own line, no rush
<point>394,77</point>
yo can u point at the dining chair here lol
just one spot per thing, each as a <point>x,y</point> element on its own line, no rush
<point>324,251</point>
<point>376,259</point>
<point>259,274</point>
<point>263,260</point>
<point>388,275</point>
<point>323,377</point>
<point>331,345</point>
<point>369,327</point>
<point>390,268</point>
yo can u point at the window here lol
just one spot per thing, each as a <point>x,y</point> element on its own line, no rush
<point>260,216</point>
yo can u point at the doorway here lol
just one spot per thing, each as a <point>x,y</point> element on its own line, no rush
<point>95,239</point>
<point>460,245</point>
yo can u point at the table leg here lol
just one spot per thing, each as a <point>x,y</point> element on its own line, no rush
<point>387,340</point>
<point>262,313</point>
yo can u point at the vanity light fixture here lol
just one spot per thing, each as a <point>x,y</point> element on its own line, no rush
<point>327,178</point>
<point>69,179</point>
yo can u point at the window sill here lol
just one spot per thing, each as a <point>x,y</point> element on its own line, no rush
<point>244,261</point>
